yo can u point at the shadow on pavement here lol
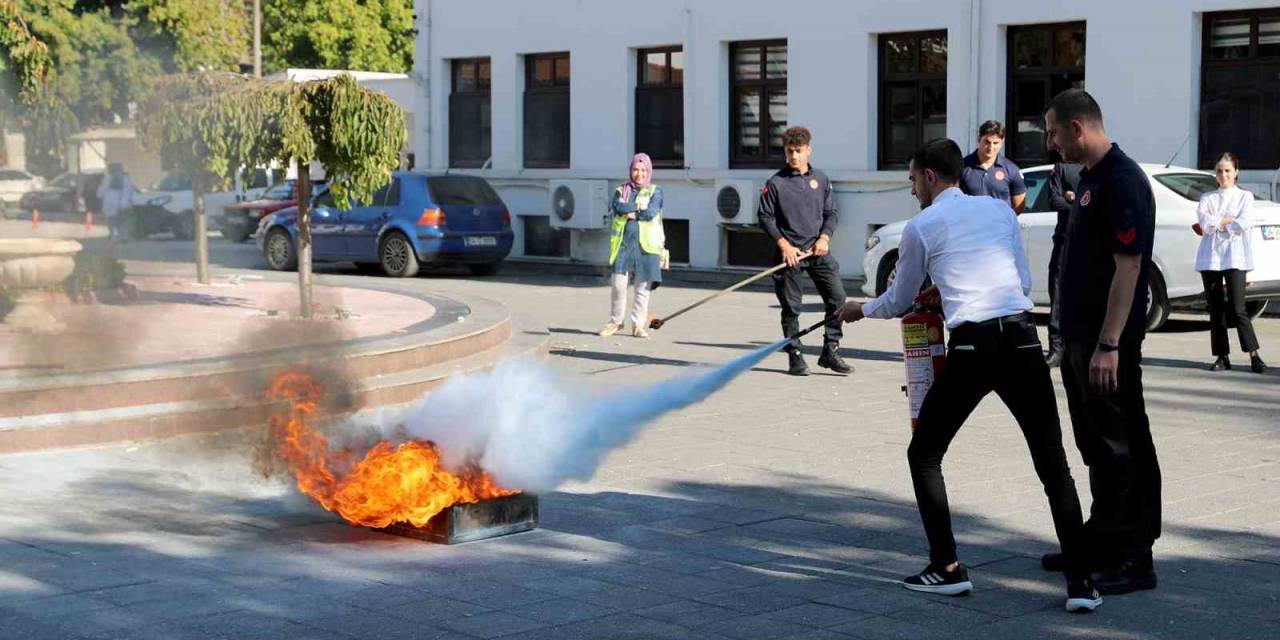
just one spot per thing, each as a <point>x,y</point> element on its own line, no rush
<point>135,554</point>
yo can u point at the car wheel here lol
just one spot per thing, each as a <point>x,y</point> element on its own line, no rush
<point>485,268</point>
<point>397,256</point>
<point>279,251</point>
<point>1255,308</point>
<point>887,272</point>
<point>1157,301</point>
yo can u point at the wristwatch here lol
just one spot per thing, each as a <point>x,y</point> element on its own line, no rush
<point>1104,347</point>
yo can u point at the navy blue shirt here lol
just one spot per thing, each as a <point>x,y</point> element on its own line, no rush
<point>1002,180</point>
<point>798,206</point>
<point>1114,212</point>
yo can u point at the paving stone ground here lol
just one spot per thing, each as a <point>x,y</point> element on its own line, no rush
<point>779,508</point>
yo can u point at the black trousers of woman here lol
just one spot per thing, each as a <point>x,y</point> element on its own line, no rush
<point>1224,291</point>
<point>1001,355</point>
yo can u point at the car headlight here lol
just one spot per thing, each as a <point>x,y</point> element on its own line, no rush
<point>160,201</point>
<point>873,241</point>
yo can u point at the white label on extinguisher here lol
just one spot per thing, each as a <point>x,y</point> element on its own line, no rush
<point>919,376</point>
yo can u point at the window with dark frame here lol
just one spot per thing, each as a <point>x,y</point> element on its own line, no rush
<point>758,103</point>
<point>1240,88</point>
<point>1044,60</point>
<point>913,94</point>
<point>660,105</point>
<point>546,111</point>
<point>470,113</point>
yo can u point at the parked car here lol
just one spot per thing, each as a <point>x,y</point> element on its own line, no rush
<point>1174,280</point>
<point>14,183</point>
<point>59,196</point>
<point>239,220</point>
<point>416,219</point>
<point>169,205</point>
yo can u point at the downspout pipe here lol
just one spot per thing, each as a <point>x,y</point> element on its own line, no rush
<point>975,60</point>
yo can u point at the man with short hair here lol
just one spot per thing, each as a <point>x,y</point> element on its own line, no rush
<point>1106,262</point>
<point>798,210</point>
<point>987,172</point>
<point>972,249</point>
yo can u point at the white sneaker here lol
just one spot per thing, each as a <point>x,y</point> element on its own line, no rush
<point>610,329</point>
<point>639,332</point>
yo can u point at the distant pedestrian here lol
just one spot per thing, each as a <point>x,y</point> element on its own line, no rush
<point>635,246</point>
<point>1064,178</point>
<point>987,172</point>
<point>116,195</point>
<point>1225,255</point>
<point>798,211</point>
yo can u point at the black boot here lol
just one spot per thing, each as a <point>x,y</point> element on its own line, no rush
<point>1054,357</point>
<point>1223,362</point>
<point>1256,364</point>
<point>831,359</point>
<point>797,366</point>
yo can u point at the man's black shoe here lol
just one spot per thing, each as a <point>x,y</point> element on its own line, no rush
<point>1082,597</point>
<point>936,579</point>
<point>1054,359</point>
<point>797,366</point>
<point>831,359</point>
<point>1256,364</point>
<point>1221,363</point>
<point>1128,577</point>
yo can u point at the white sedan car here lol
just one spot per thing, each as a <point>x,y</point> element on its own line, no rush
<point>14,183</point>
<point>1174,280</point>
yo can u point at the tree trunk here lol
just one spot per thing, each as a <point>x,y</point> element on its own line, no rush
<point>200,229</point>
<point>304,237</point>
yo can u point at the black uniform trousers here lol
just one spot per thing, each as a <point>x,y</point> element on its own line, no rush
<point>1001,355</point>
<point>1114,437</point>
<point>825,273</point>
<point>1224,291</point>
<point>1055,260</point>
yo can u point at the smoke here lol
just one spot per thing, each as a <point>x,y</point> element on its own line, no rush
<point>535,428</point>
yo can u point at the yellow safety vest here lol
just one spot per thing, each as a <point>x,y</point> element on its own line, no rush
<point>652,237</point>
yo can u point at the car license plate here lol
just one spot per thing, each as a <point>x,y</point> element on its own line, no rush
<point>481,241</point>
<point>1271,232</point>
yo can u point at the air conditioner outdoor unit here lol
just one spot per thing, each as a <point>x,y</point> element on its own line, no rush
<point>737,201</point>
<point>579,204</point>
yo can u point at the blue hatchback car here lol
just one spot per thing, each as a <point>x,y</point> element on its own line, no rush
<point>417,219</point>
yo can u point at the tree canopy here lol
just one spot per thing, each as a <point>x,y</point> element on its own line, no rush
<point>369,35</point>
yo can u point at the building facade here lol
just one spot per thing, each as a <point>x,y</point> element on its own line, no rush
<point>549,100</point>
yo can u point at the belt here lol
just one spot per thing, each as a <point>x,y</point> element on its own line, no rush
<point>1000,321</point>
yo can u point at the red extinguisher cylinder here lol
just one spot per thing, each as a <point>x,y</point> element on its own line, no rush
<point>924,351</point>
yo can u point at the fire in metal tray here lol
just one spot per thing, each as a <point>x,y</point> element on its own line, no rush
<point>389,485</point>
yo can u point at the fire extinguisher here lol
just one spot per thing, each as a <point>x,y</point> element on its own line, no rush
<point>924,351</point>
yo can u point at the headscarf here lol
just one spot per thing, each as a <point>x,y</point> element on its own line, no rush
<point>632,186</point>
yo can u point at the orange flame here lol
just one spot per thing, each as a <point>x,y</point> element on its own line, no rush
<point>391,483</point>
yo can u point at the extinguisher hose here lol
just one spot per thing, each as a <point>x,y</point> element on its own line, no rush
<point>811,328</point>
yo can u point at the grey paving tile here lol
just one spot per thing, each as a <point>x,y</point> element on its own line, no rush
<point>492,625</point>
<point>560,611</point>
<point>688,613</point>
<point>813,614</point>
<point>751,600</point>
<point>758,627</point>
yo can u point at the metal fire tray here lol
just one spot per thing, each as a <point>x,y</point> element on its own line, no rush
<point>476,521</point>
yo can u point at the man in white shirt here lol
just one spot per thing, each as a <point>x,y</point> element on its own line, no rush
<point>971,247</point>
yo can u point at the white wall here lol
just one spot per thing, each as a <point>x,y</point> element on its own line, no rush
<point>1143,62</point>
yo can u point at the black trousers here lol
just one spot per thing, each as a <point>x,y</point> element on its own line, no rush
<point>1114,437</point>
<point>1003,356</point>
<point>1224,291</point>
<point>1055,258</point>
<point>825,273</point>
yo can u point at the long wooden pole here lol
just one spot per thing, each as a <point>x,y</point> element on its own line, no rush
<point>656,323</point>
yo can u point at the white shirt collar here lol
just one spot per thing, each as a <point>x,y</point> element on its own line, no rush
<point>947,194</point>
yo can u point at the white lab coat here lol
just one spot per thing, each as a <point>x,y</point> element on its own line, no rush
<point>115,200</point>
<point>1230,247</point>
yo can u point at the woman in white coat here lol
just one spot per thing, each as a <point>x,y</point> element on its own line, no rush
<point>1225,255</point>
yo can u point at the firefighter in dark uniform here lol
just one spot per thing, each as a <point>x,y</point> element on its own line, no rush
<point>987,172</point>
<point>1106,262</point>
<point>1063,180</point>
<point>798,211</point>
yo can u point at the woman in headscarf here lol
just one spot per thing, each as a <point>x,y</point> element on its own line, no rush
<point>635,246</point>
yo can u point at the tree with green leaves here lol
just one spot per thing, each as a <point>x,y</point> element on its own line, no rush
<point>369,35</point>
<point>191,35</point>
<point>208,126</point>
<point>24,66</point>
